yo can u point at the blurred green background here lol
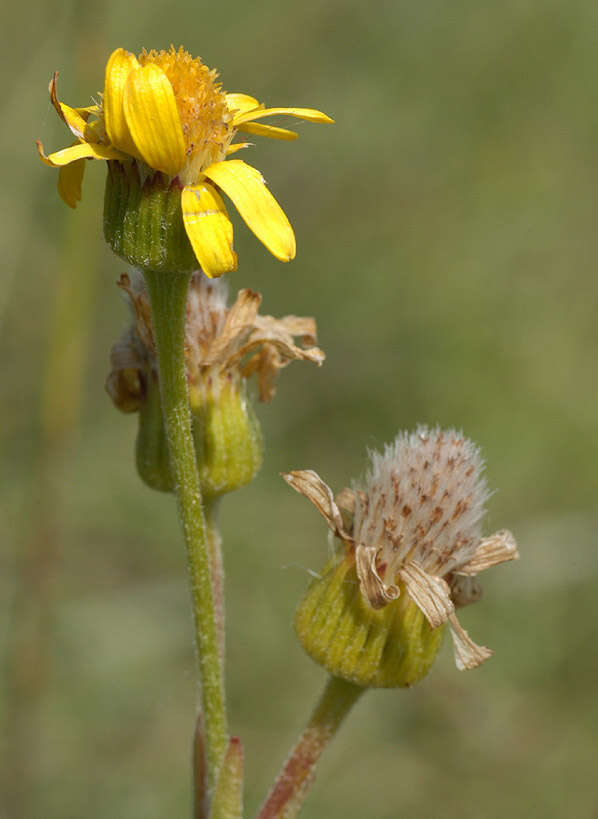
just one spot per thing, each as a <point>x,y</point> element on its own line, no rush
<point>446,245</point>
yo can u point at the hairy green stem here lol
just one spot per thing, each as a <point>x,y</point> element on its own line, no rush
<point>294,780</point>
<point>168,295</point>
<point>200,773</point>
<point>211,508</point>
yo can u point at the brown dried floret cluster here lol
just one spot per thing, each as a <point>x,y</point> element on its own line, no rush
<point>221,342</point>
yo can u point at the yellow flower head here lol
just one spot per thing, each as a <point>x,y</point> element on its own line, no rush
<point>165,112</point>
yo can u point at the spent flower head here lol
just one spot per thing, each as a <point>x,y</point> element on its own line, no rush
<point>222,343</point>
<point>224,347</point>
<point>164,123</point>
<point>412,531</point>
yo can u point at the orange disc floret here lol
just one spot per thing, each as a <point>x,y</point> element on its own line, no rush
<point>201,103</point>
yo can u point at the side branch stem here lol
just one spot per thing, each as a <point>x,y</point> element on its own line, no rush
<point>168,294</point>
<point>294,780</point>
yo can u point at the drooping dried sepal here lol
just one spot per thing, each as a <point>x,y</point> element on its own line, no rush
<point>143,222</point>
<point>391,647</point>
<point>251,343</point>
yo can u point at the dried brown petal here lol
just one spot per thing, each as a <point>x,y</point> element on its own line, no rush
<point>141,306</point>
<point>273,348</point>
<point>373,588</point>
<point>467,653</point>
<point>308,483</point>
<point>300,327</point>
<point>346,500</point>
<point>491,551</point>
<point>235,338</point>
<point>430,594</point>
<point>240,320</point>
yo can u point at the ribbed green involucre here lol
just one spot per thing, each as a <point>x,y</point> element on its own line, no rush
<point>393,647</point>
<point>226,433</point>
<point>228,438</point>
<point>143,222</point>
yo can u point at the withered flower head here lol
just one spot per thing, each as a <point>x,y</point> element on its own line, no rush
<point>413,527</point>
<point>221,342</point>
<point>224,346</point>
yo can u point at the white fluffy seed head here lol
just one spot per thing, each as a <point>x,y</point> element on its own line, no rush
<point>423,500</point>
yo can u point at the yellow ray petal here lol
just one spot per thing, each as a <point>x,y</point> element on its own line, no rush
<point>74,118</point>
<point>242,102</point>
<point>258,208</point>
<point>267,130</point>
<point>209,229</point>
<point>89,110</point>
<point>94,132</point>
<point>83,150</point>
<point>310,114</point>
<point>232,149</point>
<point>118,68</point>
<point>153,119</point>
<point>54,94</point>
<point>70,180</point>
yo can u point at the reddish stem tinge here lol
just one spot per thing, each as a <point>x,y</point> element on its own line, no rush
<point>294,780</point>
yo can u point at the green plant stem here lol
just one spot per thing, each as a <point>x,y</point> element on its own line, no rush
<point>200,800</point>
<point>168,295</point>
<point>294,780</point>
<point>211,509</point>
<point>200,774</point>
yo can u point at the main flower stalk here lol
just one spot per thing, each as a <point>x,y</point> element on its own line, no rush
<point>168,295</point>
